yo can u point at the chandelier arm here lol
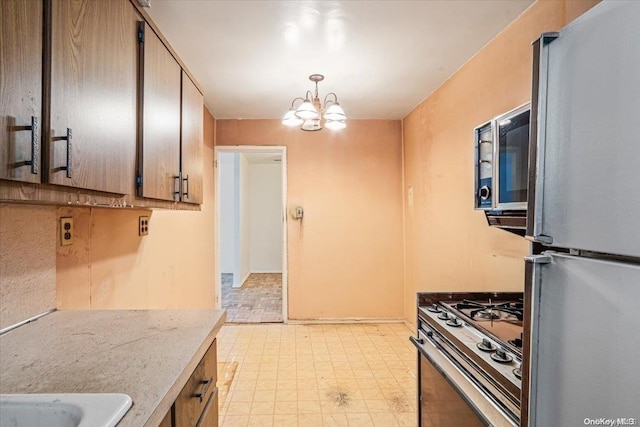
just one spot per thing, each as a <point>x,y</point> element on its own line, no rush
<point>295,99</point>
<point>334,101</point>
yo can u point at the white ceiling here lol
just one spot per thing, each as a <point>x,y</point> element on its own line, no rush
<point>381,58</point>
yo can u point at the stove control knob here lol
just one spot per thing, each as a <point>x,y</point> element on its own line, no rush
<point>443,316</point>
<point>501,354</point>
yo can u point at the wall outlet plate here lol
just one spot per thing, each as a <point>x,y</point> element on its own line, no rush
<point>143,225</point>
<point>66,231</point>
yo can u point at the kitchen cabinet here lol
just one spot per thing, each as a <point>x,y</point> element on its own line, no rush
<point>160,119</point>
<point>197,403</point>
<point>191,141</point>
<point>20,89</point>
<point>171,115</point>
<point>92,138</point>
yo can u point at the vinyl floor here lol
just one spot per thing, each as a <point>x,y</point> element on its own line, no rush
<point>317,375</point>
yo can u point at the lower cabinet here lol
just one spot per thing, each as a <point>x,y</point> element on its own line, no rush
<point>197,403</point>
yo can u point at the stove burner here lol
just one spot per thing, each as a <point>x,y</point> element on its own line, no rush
<point>486,345</point>
<point>513,308</point>
<point>488,314</point>
<point>518,373</point>
<point>501,356</point>
<point>455,322</point>
<point>434,308</point>
<point>443,316</point>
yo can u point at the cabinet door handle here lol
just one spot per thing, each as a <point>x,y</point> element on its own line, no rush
<point>67,138</point>
<point>35,145</point>
<point>176,191</point>
<point>186,193</point>
<point>205,386</point>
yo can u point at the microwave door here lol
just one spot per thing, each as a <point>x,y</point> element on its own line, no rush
<point>512,158</point>
<point>585,180</point>
<point>585,340</point>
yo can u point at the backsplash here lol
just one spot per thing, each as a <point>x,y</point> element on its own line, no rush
<point>27,261</point>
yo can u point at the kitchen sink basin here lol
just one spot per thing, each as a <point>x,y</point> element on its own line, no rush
<point>63,410</point>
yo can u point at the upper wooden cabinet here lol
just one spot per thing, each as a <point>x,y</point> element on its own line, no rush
<point>191,142</point>
<point>20,89</point>
<point>159,161</point>
<point>92,138</point>
<point>171,116</point>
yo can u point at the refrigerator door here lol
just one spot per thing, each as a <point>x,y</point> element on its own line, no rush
<point>584,180</point>
<point>585,341</point>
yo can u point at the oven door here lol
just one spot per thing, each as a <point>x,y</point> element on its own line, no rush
<point>446,395</point>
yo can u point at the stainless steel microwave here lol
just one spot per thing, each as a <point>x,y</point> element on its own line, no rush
<point>502,161</point>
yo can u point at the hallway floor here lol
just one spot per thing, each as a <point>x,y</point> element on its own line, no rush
<point>317,375</point>
<point>259,300</point>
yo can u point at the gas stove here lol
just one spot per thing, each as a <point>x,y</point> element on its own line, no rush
<point>481,335</point>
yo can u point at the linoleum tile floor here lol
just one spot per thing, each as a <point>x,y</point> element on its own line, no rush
<point>317,375</point>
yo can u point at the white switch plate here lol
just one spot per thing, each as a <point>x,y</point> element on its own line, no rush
<point>410,196</point>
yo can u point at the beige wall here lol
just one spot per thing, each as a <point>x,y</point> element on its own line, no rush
<point>345,256</point>
<point>449,246</point>
<point>110,267</point>
<point>27,262</point>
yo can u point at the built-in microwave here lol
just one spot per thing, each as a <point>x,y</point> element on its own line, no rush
<point>501,168</point>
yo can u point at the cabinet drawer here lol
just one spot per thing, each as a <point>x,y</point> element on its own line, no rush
<point>195,395</point>
<point>209,417</point>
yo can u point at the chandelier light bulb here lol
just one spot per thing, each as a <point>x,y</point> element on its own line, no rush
<point>335,112</point>
<point>290,119</point>
<point>335,124</point>
<point>307,111</point>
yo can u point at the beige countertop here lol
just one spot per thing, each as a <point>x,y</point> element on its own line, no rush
<point>147,354</point>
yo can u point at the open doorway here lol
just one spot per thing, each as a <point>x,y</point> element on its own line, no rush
<point>251,238</point>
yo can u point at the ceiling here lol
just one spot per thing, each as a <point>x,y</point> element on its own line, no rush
<point>381,58</point>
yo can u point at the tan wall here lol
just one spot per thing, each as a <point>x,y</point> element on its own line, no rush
<point>27,262</point>
<point>110,267</point>
<point>449,246</point>
<point>345,257</point>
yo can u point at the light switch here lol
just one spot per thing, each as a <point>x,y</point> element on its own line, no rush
<point>410,196</point>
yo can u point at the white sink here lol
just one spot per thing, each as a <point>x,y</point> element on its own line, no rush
<point>63,410</point>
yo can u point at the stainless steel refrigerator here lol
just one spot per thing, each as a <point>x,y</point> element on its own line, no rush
<point>583,282</point>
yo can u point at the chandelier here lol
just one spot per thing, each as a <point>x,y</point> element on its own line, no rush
<point>310,113</point>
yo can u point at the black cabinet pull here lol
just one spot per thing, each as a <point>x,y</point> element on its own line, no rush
<point>35,145</point>
<point>186,193</point>
<point>67,138</point>
<point>201,394</point>
<point>176,192</point>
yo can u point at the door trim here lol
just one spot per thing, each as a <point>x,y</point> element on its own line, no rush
<point>285,265</point>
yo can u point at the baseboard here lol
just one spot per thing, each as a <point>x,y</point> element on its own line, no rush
<point>345,320</point>
<point>266,272</point>
<point>235,285</point>
<point>410,325</point>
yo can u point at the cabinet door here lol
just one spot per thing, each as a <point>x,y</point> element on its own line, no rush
<point>93,95</point>
<point>20,89</point>
<point>192,123</point>
<point>160,156</point>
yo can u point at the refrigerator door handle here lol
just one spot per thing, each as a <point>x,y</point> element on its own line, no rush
<point>538,259</point>
<point>534,264</point>
<point>538,138</point>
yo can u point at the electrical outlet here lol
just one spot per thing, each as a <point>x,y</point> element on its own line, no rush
<point>143,225</point>
<point>66,231</point>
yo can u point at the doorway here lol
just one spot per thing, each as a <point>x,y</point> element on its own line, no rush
<point>251,237</point>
